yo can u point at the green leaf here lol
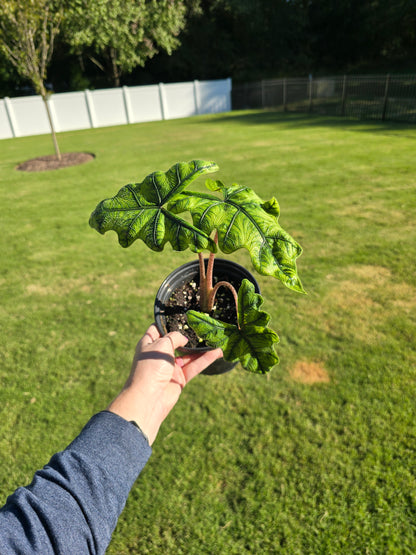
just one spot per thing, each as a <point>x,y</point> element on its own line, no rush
<point>244,220</point>
<point>251,342</point>
<point>138,211</point>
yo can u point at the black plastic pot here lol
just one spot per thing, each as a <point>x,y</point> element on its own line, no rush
<point>186,273</point>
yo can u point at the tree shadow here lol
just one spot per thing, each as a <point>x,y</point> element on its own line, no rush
<point>295,119</point>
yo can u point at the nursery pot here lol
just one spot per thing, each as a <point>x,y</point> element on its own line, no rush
<point>223,270</point>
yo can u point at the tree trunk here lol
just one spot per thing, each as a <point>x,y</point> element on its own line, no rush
<point>114,67</point>
<point>54,139</point>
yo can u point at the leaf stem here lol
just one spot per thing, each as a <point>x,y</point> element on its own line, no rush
<point>213,292</point>
<point>203,293</point>
<point>206,277</point>
<point>206,290</point>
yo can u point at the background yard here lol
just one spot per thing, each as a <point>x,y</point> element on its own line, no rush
<point>318,456</point>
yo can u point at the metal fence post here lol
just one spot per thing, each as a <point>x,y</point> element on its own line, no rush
<point>284,94</point>
<point>263,94</point>
<point>386,98</point>
<point>310,93</point>
<point>344,95</point>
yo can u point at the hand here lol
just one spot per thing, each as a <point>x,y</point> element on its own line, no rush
<point>157,378</point>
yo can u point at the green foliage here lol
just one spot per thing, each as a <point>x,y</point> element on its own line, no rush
<point>27,32</point>
<point>243,220</point>
<point>254,39</point>
<point>138,211</point>
<point>124,33</point>
<point>147,211</point>
<point>250,342</point>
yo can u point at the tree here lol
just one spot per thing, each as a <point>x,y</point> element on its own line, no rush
<point>28,29</point>
<point>242,39</point>
<point>123,34</point>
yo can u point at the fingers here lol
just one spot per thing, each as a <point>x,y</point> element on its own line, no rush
<point>150,336</point>
<point>192,364</point>
<point>195,364</point>
<point>176,340</point>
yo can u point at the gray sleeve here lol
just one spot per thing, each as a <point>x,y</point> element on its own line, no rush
<point>74,502</point>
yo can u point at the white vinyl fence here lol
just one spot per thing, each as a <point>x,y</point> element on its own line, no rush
<point>21,117</point>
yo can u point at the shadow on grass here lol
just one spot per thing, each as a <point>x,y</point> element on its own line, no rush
<point>294,120</point>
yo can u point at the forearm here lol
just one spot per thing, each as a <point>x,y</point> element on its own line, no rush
<point>73,503</point>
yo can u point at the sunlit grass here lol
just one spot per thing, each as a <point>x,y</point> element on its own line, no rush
<point>317,457</point>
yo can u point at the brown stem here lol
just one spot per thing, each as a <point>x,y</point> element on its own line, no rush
<point>201,266</point>
<point>203,293</point>
<point>210,270</point>
<point>213,292</point>
<point>210,265</point>
<point>206,278</point>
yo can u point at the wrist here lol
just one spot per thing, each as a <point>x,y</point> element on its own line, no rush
<point>137,410</point>
<point>140,430</point>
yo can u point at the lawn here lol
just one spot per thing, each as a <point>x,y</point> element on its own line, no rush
<point>319,456</point>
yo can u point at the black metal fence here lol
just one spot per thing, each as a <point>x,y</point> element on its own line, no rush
<point>379,97</point>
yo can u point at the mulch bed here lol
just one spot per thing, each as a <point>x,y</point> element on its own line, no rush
<point>51,162</point>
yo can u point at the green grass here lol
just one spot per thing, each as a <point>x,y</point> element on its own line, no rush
<point>244,464</point>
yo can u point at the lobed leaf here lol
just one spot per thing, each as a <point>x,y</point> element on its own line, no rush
<point>244,220</point>
<point>251,342</point>
<point>138,211</point>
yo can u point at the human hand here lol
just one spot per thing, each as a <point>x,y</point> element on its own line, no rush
<point>157,378</point>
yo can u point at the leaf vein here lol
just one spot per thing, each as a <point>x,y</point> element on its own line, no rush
<point>156,189</point>
<point>131,225</point>
<point>133,192</point>
<point>157,217</point>
<point>205,212</point>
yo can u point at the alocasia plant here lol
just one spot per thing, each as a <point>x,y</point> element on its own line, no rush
<point>239,219</point>
<point>249,340</point>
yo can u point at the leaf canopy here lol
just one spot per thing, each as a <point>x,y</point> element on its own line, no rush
<point>138,211</point>
<point>243,219</point>
<point>251,342</point>
<point>124,34</point>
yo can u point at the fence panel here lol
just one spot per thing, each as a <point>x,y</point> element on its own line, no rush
<point>29,115</point>
<point>109,107</point>
<point>247,96</point>
<point>70,111</point>
<point>179,100</point>
<point>401,102</point>
<point>80,110</point>
<point>144,103</point>
<point>379,97</point>
<point>297,94</point>
<point>273,92</point>
<point>213,97</point>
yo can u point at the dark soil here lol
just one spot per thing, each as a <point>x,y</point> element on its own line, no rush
<point>187,298</point>
<point>51,162</point>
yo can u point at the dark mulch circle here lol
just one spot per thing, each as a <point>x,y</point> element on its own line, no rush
<point>51,162</point>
